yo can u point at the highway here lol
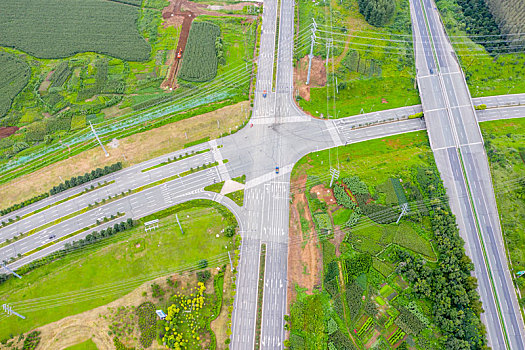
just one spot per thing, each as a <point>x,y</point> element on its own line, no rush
<point>281,135</point>
<point>458,149</point>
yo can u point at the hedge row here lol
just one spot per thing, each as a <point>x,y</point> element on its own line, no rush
<point>79,180</point>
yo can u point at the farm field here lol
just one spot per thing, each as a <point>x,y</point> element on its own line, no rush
<point>15,70</point>
<point>372,287</point>
<point>77,283</point>
<point>27,27</point>
<point>369,68</point>
<point>490,66</point>
<point>120,96</point>
<point>504,142</point>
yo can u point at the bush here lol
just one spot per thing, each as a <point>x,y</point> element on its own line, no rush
<point>353,299</point>
<point>377,12</point>
<point>147,323</point>
<point>355,185</point>
<point>203,276</point>
<point>31,341</point>
<point>342,197</point>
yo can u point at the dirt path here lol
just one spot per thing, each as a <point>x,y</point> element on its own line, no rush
<point>304,257</point>
<point>182,13</point>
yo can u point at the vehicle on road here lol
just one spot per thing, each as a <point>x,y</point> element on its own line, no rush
<point>179,54</point>
<point>52,236</point>
<point>264,93</point>
<point>277,170</point>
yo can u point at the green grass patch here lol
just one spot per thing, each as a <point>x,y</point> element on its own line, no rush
<point>87,345</point>
<point>341,216</point>
<point>237,197</point>
<point>217,187</point>
<point>407,237</point>
<point>365,73</point>
<point>197,142</point>
<point>125,266</point>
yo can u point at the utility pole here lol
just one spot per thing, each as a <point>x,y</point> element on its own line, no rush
<point>178,222</point>
<point>11,271</point>
<point>404,209</point>
<point>335,175</point>
<point>9,311</point>
<point>96,136</point>
<point>311,55</point>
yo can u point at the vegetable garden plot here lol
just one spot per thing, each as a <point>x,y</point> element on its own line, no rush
<point>199,62</point>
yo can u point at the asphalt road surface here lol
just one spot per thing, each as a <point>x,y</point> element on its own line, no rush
<point>457,144</point>
<point>281,134</point>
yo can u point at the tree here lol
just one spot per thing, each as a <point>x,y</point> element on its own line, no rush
<point>377,12</point>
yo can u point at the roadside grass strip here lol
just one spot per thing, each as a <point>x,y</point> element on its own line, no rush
<point>169,161</point>
<point>260,290</point>
<point>72,234</point>
<point>87,190</point>
<point>104,202</point>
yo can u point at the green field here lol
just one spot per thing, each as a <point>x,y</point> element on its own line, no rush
<point>110,92</point>
<point>87,345</point>
<point>14,76</point>
<point>105,271</point>
<point>380,292</point>
<point>505,145</point>
<point>55,28</point>
<point>370,68</point>
<point>201,54</point>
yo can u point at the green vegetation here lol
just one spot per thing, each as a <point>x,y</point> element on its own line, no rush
<point>237,197</point>
<point>369,68</point>
<point>14,76</point>
<point>377,12</point>
<point>504,143</point>
<point>492,63</point>
<point>28,24</point>
<point>87,345</point>
<point>372,306</point>
<point>129,259</point>
<point>174,159</point>
<point>64,95</point>
<point>217,187</point>
<point>200,58</point>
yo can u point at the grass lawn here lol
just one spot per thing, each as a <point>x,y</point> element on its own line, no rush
<point>374,161</point>
<point>366,71</point>
<point>506,142</point>
<point>98,275</point>
<point>87,345</point>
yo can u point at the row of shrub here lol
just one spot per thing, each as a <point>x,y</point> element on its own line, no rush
<point>74,181</point>
<point>79,180</point>
<point>23,204</point>
<point>71,247</point>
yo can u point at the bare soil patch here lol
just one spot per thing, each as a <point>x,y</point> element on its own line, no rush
<point>304,256</point>
<point>317,75</point>
<point>132,150</point>
<point>6,131</point>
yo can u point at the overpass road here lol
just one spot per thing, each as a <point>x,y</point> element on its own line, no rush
<point>280,136</point>
<point>458,149</point>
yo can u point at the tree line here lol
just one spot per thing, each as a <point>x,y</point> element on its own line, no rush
<point>450,285</point>
<point>377,12</point>
<point>74,181</point>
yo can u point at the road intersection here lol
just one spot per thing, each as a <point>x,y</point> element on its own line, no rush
<point>280,136</point>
